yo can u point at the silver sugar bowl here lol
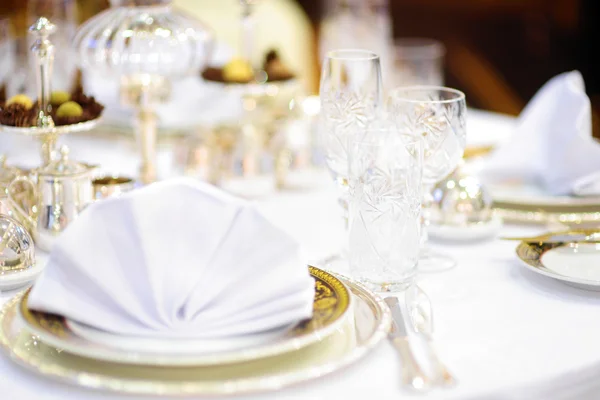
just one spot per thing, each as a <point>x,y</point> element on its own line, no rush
<point>7,175</point>
<point>16,246</point>
<point>461,200</point>
<point>58,192</point>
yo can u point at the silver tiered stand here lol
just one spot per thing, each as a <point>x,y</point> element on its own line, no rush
<point>45,130</point>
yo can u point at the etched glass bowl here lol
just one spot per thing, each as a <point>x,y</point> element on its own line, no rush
<point>143,37</point>
<point>16,246</point>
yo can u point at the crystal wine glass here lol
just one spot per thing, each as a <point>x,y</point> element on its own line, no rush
<point>350,98</point>
<point>438,115</point>
<point>418,61</point>
<point>384,208</point>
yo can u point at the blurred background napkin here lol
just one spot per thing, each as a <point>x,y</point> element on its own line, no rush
<point>552,144</point>
<point>176,259</point>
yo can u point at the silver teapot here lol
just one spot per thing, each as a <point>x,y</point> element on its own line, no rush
<point>57,192</point>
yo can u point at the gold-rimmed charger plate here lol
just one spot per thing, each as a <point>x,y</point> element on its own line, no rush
<point>575,264</point>
<point>367,324</point>
<point>330,308</point>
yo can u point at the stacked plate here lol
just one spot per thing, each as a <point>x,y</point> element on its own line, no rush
<point>521,202</point>
<point>347,322</point>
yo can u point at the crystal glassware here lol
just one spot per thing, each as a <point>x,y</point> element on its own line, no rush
<point>363,24</point>
<point>418,61</point>
<point>350,97</point>
<point>385,169</point>
<point>247,23</point>
<point>438,116</point>
<point>145,45</point>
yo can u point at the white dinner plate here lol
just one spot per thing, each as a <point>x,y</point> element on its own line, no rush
<point>576,264</point>
<point>522,202</point>
<point>330,309</point>
<point>366,326</point>
<point>470,232</point>
<point>16,279</point>
<point>173,347</point>
<point>517,193</point>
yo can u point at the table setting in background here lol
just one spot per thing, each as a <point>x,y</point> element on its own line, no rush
<point>380,238</point>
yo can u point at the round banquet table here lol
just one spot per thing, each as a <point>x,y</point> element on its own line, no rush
<point>505,332</point>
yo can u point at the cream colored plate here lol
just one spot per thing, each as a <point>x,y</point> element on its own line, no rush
<point>15,279</point>
<point>526,203</point>
<point>367,325</point>
<point>471,232</point>
<point>576,264</point>
<point>523,194</point>
<point>330,308</point>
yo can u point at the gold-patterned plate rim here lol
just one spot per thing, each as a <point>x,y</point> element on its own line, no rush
<point>530,253</point>
<point>331,304</point>
<point>118,384</point>
<point>543,216</point>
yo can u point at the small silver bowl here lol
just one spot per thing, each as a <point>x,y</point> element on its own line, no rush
<point>16,246</point>
<point>460,200</point>
<point>109,186</point>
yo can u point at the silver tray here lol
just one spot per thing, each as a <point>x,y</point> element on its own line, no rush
<point>54,131</point>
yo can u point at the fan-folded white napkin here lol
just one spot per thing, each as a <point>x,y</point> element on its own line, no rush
<point>176,259</point>
<point>552,145</point>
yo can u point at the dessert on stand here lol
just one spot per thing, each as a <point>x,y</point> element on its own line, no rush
<point>53,113</point>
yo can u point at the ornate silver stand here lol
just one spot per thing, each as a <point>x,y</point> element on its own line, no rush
<point>45,130</point>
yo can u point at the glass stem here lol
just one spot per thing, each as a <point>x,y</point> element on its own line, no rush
<point>145,124</point>
<point>426,214</point>
<point>343,202</point>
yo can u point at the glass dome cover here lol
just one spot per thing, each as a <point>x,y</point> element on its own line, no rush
<point>143,37</point>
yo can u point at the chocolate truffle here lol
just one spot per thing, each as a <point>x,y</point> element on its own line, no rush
<point>238,70</point>
<point>22,99</point>
<point>69,109</point>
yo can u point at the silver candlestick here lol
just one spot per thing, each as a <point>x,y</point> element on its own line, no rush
<point>143,92</point>
<point>43,51</point>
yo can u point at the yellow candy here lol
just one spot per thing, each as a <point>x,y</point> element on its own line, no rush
<point>69,109</point>
<point>238,70</point>
<point>59,97</point>
<point>22,99</point>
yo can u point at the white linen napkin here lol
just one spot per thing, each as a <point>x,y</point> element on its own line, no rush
<point>175,259</point>
<point>552,144</point>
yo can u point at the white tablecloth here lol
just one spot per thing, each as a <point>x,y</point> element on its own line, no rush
<point>506,332</point>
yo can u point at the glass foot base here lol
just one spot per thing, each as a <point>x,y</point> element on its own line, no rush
<point>338,263</point>
<point>334,263</point>
<point>386,287</point>
<point>431,261</point>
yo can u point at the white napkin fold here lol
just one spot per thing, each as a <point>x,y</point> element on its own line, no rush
<point>552,144</point>
<point>175,259</point>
